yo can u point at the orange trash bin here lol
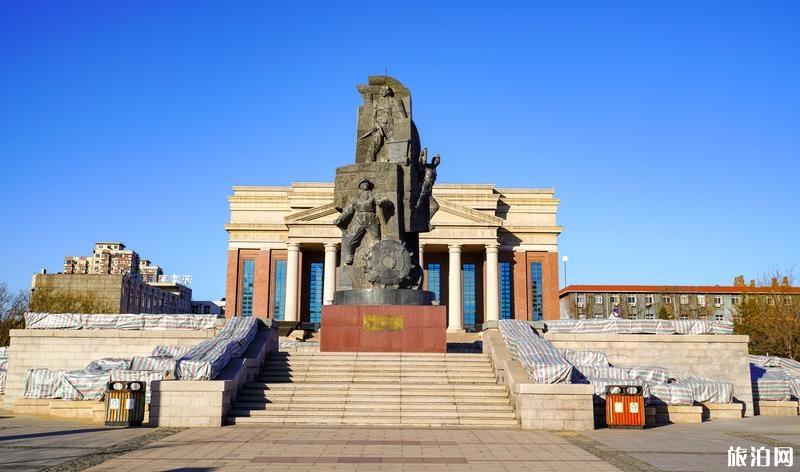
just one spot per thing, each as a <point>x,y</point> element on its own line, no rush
<point>625,406</point>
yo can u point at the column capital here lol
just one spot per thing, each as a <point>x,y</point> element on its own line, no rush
<point>492,247</point>
<point>292,246</point>
<point>454,248</point>
<point>331,247</point>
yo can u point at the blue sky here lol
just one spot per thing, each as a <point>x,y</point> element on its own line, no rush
<point>670,130</point>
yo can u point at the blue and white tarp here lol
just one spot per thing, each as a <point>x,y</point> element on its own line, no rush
<point>623,326</point>
<point>707,390</point>
<point>43,383</point>
<point>662,393</point>
<point>774,378</point>
<point>545,364</point>
<point>83,385</point>
<point>163,364</point>
<point>139,321</point>
<point>541,360</point>
<point>145,376</point>
<point>206,360</point>
<point>584,358</point>
<point>649,374</point>
<point>108,363</point>
<point>171,351</point>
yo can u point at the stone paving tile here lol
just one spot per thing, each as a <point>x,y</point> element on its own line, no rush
<point>359,449</point>
<point>31,443</point>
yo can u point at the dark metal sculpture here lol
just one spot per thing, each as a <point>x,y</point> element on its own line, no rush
<point>385,200</point>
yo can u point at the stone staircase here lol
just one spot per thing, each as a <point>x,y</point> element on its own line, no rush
<point>379,389</point>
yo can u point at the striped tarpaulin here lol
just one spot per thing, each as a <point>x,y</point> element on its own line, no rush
<point>53,321</point>
<point>649,374</point>
<point>83,385</point>
<point>145,376</point>
<point>43,383</point>
<point>130,321</point>
<point>599,385</point>
<point>541,360</point>
<point>184,321</point>
<point>108,363</point>
<point>770,383</point>
<point>623,326</point>
<point>707,390</point>
<point>171,351</point>
<point>607,372</point>
<point>207,359</point>
<point>669,394</point>
<point>163,364</point>
<point>585,358</point>
<point>122,321</point>
<point>3,368</point>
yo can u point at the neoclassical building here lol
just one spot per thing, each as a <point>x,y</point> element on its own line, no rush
<point>493,252</point>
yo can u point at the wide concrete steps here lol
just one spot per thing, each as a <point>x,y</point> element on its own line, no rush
<point>415,390</point>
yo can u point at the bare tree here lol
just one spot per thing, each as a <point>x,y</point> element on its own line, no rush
<point>49,300</point>
<point>771,319</point>
<point>12,309</point>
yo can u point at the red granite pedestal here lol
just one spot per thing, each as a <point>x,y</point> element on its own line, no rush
<point>384,328</point>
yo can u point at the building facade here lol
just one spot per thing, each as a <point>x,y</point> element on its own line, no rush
<point>713,302</point>
<point>121,293</point>
<point>493,252</point>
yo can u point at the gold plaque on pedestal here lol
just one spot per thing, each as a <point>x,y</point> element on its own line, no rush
<point>383,323</point>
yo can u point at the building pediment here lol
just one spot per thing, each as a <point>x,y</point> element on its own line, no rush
<point>318,214</point>
<point>454,214</point>
<point>450,214</point>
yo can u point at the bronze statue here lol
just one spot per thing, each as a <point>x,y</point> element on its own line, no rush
<point>359,217</point>
<point>428,180</point>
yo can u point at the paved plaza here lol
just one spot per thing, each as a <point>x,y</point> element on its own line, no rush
<point>34,443</point>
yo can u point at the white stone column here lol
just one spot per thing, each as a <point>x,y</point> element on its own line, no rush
<point>329,284</point>
<point>492,284</point>
<point>421,256</point>
<point>455,316</point>
<point>292,268</point>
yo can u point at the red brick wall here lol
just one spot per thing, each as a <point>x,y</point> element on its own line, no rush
<point>232,284</point>
<point>522,300</point>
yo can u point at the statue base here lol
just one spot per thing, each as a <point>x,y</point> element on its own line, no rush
<point>384,328</point>
<point>383,296</point>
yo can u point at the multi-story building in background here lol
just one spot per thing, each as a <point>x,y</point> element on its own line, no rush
<point>121,280</point>
<point>711,302</point>
<point>121,293</point>
<point>149,272</point>
<point>209,307</point>
<point>107,258</point>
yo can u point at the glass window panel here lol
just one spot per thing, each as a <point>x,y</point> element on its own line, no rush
<point>435,281</point>
<point>536,290</point>
<point>468,293</point>
<point>315,292</point>
<point>279,300</point>
<point>505,291</point>
<point>248,277</point>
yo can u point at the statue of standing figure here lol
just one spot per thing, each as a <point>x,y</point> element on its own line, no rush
<point>384,107</point>
<point>360,217</point>
<point>426,192</point>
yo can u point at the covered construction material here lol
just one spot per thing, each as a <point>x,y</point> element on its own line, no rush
<point>141,321</point>
<point>3,368</point>
<point>206,360</point>
<point>543,362</point>
<point>774,378</point>
<point>623,326</point>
